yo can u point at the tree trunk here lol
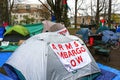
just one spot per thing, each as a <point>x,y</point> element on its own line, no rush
<point>109,13</point>
<point>4,12</point>
<point>97,14</point>
<point>76,13</point>
<point>59,8</point>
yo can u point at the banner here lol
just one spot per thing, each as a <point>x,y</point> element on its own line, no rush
<point>72,55</point>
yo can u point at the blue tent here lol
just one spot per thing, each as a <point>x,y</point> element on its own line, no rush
<point>2,30</point>
<point>107,34</point>
<point>118,29</point>
<point>84,32</point>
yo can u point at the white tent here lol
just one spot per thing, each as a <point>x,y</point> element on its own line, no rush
<point>36,60</point>
<point>47,24</point>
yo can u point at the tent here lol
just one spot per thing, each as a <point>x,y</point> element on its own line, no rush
<point>19,29</point>
<point>36,58</point>
<point>2,31</point>
<point>84,32</point>
<point>34,28</point>
<point>47,24</point>
<point>109,35</point>
<point>118,29</point>
<point>101,28</point>
<point>16,33</point>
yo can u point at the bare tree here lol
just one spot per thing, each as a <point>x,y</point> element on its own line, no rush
<point>10,3</point>
<point>6,8</point>
<point>59,9</point>
<point>4,11</point>
<point>44,11</point>
<point>76,13</point>
<point>100,6</point>
<point>109,13</point>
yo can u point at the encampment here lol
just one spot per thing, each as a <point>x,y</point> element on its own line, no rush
<point>51,56</point>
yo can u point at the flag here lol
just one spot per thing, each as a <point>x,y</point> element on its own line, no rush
<point>64,2</point>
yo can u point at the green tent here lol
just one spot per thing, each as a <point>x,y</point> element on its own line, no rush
<point>34,28</point>
<point>19,29</point>
<point>102,28</point>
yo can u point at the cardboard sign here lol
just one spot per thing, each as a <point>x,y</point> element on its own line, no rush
<point>72,55</point>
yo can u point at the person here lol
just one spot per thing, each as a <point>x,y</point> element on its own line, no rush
<point>5,24</point>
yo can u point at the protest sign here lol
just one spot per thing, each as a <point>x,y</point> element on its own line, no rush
<point>72,55</point>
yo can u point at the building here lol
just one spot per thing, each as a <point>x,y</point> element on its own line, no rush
<point>26,13</point>
<point>83,20</point>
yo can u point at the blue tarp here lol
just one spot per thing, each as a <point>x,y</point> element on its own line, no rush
<point>4,77</point>
<point>118,29</point>
<point>84,32</point>
<point>106,75</point>
<point>110,69</point>
<point>4,57</point>
<point>2,30</point>
<point>107,34</point>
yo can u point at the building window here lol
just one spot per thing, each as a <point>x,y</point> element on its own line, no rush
<point>20,15</point>
<point>27,7</point>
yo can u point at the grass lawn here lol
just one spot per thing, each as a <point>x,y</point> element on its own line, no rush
<point>72,31</point>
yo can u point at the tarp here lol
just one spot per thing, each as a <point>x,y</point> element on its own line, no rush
<point>106,75</point>
<point>4,57</point>
<point>101,28</point>
<point>36,60</point>
<point>4,77</point>
<point>118,29</point>
<point>34,28</point>
<point>19,29</point>
<point>2,31</point>
<point>113,70</point>
<point>107,34</point>
<point>84,32</point>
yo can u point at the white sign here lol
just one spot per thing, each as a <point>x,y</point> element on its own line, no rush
<point>72,55</point>
<point>63,31</point>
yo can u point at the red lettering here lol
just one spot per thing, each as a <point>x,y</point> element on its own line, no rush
<point>82,49</point>
<point>60,47</point>
<point>76,44</point>
<point>73,52</point>
<point>63,32</point>
<point>78,50</point>
<point>65,54</point>
<point>54,47</point>
<point>79,59</point>
<point>61,54</point>
<point>70,54</point>
<point>73,63</point>
<point>68,46</point>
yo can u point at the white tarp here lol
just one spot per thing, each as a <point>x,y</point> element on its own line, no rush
<point>36,60</point>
